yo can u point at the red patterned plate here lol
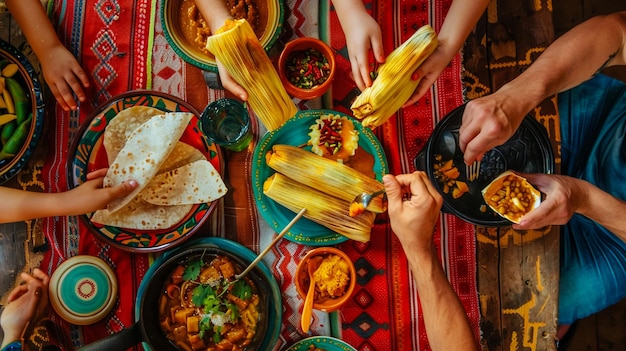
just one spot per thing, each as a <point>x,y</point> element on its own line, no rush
<point>88,154</point>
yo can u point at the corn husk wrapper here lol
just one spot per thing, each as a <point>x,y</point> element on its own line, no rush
<point>328,176</point>
<point>328,211</point>
<point>394,86</point>
<point>237,47</point>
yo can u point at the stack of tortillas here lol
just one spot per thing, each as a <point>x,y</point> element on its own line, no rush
<point>142,143</point>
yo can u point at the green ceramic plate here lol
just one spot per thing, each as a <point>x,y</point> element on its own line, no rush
<point>295,132</point>
<point>323,342</point>
<point>88,154</point>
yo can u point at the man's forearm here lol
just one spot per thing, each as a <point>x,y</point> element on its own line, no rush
<point>446,322</point>
<point>572,59</point>
<point>604,209</point>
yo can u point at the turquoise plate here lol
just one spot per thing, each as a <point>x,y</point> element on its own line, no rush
<point>295,132</point>
<point>88,154</point>
<point>323,342</point>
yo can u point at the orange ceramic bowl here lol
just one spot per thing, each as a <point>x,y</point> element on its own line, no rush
<point>287,71</point>
<point>302,279</point>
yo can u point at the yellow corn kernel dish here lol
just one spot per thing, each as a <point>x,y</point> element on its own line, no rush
<point>511,196</point>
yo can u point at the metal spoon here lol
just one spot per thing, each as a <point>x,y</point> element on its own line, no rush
<point>305,321</point>
<point>365,198</point>
<point>269,247</point>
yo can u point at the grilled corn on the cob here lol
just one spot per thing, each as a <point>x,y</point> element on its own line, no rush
<point>394,86</point>
<point>237,47</point>
<point>321,208</point>
<point>328,176</point>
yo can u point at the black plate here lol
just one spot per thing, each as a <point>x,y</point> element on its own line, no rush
<point>529,150</point>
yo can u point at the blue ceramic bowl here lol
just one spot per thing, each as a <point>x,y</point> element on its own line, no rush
<point>271,299</point>
<point>27,78</point>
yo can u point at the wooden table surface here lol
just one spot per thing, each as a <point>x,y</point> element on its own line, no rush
<point>518,271</point>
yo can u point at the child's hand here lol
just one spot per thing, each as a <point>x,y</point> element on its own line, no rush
<point>362,33</point>
<point>64,76</point>
<point>229,83</point>
<point>90,196</point>
<point>428,72</point>
<point>26,303</point>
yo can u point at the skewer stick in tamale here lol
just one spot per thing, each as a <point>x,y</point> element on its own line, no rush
<point>328,176</point>
<point>321,208</point>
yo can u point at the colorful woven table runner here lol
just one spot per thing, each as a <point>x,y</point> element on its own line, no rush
<point>122,47</point>
<point>385,313</point>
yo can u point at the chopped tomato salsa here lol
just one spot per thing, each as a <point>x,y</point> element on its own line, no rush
<point>307,69</point>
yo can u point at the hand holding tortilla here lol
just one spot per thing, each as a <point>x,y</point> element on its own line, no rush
<point>172,175</point>
<point>146,149</point>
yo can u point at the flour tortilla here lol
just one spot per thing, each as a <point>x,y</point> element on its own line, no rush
<point>140,215</point>
<point>197,182</point>
<point>146,149</point>
<point>181,155</point>
<point>120,128</point>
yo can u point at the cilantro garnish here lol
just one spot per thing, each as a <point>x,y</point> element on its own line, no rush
<point>193,270</point>
<point>242,290</point>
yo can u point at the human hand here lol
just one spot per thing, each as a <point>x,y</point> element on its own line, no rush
<point>564,195</point>
<point>91,195</point>
<point>428,72</point>
<point>487,122</point>
<point>229,83</point>
<point>26,303</point>
<point>64,76</point>
<point>362,33</point>
<point>413,220</point>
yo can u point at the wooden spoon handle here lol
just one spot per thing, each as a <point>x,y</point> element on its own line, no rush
<point>269,247</point>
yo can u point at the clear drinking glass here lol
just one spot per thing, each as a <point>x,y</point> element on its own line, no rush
<point>227,123</point>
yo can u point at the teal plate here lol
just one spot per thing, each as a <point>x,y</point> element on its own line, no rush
<point>88,154</point>
<point>295,132</point>
<point>323,342</point>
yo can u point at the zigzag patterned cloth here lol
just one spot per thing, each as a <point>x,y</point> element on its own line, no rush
<point>386,313</point>
<point>122,47</point>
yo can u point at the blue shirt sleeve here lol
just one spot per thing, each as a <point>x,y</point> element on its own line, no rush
<point>14,346</point>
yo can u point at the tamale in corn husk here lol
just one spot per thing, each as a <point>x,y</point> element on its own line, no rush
<point>328,176</point>
<point>394,86</point>
<point>237,47</point>
<point>321,208</point>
